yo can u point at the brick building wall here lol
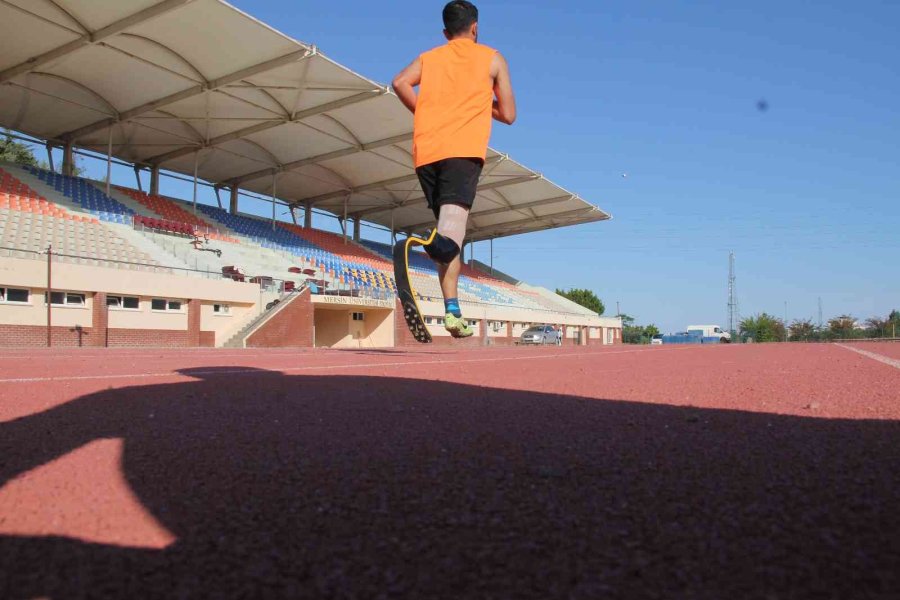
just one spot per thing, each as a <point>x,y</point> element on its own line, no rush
<point>403,337</point>
<point>35,336</point>
<point>291,327</point>
<point>99,335</point>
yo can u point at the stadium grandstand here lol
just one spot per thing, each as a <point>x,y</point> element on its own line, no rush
<point>239,106</point>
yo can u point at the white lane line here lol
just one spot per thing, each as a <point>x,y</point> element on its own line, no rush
<point>879,357</point>
<point>199,372</point>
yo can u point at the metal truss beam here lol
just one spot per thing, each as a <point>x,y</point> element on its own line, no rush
<point>87,39</point>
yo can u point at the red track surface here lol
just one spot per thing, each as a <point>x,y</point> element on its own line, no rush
<point>682,472</point>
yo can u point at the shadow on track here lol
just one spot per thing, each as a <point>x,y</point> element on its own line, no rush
<point>365,487</point>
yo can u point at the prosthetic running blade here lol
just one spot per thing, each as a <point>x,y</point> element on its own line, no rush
<point>405,291</point>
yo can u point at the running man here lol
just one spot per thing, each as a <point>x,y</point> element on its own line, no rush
<point>462,85</point>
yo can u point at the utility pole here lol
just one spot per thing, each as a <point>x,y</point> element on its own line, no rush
<point>732,298</point>
<point>785,322</point>
<point>820,312</point>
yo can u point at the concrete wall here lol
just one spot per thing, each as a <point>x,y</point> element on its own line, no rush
<point>95,324</point>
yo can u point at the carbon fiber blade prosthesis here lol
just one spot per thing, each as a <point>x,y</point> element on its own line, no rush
<point>405,291</point>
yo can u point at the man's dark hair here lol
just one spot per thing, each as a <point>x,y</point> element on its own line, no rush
<point>459,16</point>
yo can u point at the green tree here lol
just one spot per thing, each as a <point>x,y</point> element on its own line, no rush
<point>842,326</point>
<point>585,298</point>
<point>878,327</point>
<point>16,152</point>
<point>763,328</point>
<point>636,334</point>
<point>802,330</point>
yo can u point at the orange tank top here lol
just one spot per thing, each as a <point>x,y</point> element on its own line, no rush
<point>453,110</point>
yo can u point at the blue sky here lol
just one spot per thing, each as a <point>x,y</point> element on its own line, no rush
<point>807,193</point>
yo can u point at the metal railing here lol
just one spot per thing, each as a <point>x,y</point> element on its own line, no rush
<point>274,285</point>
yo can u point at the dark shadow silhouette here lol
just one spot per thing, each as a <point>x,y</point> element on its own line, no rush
<point>368,487</point>
<point>388,351</point>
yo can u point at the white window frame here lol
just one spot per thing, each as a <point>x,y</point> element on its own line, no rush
<point>361,315</point>
<point>66,303</point>
<point>4,296</point>
<point>224,310</point>
<point>168,309</point>
<point>121,305</point>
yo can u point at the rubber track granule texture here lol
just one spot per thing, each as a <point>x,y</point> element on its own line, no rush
<point>757,472</point>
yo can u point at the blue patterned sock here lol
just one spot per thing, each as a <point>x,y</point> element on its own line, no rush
<point>451,305</point>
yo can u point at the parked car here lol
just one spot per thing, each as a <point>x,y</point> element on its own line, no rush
<point>539,334</point>
<point>656,340</point>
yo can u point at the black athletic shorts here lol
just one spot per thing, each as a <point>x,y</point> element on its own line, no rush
<point>450,181</point>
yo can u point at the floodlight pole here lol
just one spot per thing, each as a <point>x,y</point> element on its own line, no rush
<point>393,231</point>
<point>217,189</point>
<point>137,176</point>
<point>307,216</point>
<point>50,156</point>
<point>109,161</point>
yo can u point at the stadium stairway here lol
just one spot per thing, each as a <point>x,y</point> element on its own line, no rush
<point>237,336</point>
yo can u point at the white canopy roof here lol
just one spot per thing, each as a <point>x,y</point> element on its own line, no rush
<point>185,84</point>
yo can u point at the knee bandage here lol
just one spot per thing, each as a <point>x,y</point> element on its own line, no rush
<point>451,232</point>
<point>442,249</point>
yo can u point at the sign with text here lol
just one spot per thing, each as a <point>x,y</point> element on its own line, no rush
<point>351,301</point>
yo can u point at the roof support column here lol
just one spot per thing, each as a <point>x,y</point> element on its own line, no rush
<point>393,231</point>
<point>218,197</point>
<point>68,166</point>
<point>492,256</point>
<point>294,214</point>
<point>356,229</point>
<point>154,180</point>
<point>307,216</point>
<point>196,166</point>
<point>233,203</point>
<point>137,176</point>
<point>109,161</point>
<point>344,220</point>
<point>274,183</point>
<point>462,254</point>
<point>50,156</point>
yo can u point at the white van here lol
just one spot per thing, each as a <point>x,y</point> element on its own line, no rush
<point>712,331</point>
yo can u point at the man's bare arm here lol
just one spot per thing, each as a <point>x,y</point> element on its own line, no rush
<point>405,81</point>
<point>505,104</point>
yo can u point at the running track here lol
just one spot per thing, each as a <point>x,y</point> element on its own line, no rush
<point>761,471</point>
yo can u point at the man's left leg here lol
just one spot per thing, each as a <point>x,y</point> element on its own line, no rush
<point>452,228</point>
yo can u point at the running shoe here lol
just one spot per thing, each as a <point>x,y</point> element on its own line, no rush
<point>457,326</point>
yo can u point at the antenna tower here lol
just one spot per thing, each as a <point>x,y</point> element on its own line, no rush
<point>732,299</point>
